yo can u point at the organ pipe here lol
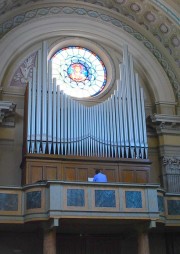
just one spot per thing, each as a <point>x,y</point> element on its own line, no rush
<point>39,96</point>
<point>58,124</point>
<point>55,118</point>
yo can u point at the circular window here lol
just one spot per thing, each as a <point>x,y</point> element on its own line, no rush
<point>79,71</point>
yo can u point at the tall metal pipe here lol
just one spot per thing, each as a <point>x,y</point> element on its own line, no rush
<point>61,125</point>
<point>39,101</point>
<point>44,95</point>
<point>54,117</point>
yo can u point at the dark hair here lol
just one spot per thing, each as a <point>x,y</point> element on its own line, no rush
<point>97,171</point>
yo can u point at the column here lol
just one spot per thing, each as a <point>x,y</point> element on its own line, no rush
<point>143,243</point>
<point>49,241</point>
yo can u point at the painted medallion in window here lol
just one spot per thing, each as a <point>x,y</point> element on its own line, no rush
<point>79,72</point>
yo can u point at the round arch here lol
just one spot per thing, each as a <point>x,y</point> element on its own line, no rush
<point>28,34</point>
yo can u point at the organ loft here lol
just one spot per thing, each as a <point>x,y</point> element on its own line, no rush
<point>75,139</point>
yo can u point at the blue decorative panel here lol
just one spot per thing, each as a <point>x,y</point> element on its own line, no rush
<point>133,199</point>
<point>8,202</point>
<point>75,197</point>
<point>33,200</point>
<point>173,207</point>
<point>105,198</point>
<point>161,204</point>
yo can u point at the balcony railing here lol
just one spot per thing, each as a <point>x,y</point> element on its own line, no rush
<point>59,199</point>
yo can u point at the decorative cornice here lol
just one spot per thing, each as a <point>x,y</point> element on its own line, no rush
<point>171,173</point>
<point>7,110</point>
<point>170,166</point>
<point>171,161</point>
<point>165,123</point>
<point>101,15</point>
<point>165,118</point>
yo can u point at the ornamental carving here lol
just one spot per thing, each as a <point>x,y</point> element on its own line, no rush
<point>23,74</point>
<point>171,174</point>
<point>171,162</point>
<point>7,110</point>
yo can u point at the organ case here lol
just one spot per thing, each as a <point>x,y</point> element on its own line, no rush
<point>74,140</point>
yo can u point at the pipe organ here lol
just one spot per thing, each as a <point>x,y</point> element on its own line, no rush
<point>59,124</point>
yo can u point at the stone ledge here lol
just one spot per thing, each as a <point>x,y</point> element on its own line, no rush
<point>165,123</point>
<point>7,116</point>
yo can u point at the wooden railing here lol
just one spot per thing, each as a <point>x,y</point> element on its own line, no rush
<point>37,167</point>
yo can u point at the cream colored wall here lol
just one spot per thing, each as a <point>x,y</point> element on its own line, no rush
<point>154,156</point>
<point>11,146</point>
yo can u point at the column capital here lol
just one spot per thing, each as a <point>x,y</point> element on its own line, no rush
<point>7,110</point>
<point>50,224</point>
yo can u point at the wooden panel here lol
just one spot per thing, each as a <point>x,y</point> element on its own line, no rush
<point>69,174</point>
<point>128,176</point>
<point>141,176</point>
<point>91,172</point>
<point>50,173</point>
<point>36,173</point>
<point>111,174</point>
<point>82,174</point>
<point>59,173</point>
<point>50,167</point>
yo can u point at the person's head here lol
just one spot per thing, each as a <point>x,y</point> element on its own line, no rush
<point>97,171</point>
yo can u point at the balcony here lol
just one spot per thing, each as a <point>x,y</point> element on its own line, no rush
<point>87,200</point>
<point>59,199</point>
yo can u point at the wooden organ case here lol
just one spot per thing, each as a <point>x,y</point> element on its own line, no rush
<point>65,140</point>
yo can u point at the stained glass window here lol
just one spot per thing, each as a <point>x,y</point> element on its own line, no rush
<point>79,72</point>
